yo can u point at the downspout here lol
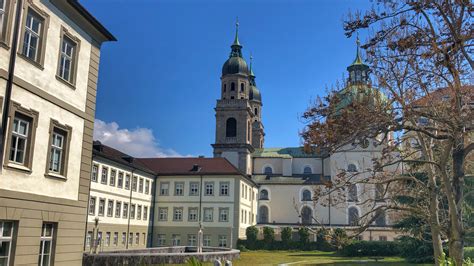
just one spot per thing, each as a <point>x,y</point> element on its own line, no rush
<point>11,70</point>
<point>152,209</point>
<point>130,207</point>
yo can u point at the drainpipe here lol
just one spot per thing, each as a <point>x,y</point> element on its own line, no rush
<point>11,71</point>
<point>152,209</point>
<point>130,207</point>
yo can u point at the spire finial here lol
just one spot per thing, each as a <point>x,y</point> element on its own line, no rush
<point>236,40</point>
<point>357,60</point>
<point>251,60</point>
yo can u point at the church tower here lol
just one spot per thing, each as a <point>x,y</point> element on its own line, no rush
<point>235,111</point>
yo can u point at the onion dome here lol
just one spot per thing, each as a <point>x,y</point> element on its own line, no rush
<point>236,63</point>
<point>254,93</point>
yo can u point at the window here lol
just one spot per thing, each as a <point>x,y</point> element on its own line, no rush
<point>306,195</point>
<point>224,189</point>
<point>59,146</point>
<point>177,214</point>
<point>120,180</point>
<point>113,175</point>
<point>92,206</point>
<point>88,239</point>
<point>264,194</point>
<point>192,214</point>
<point>178,189</point>
<point>147,187</point>
<point>353,193</point>
<point>307,170</point>
<point>192,240</point>
<point>242,87</point>
<point>127,181</point>
<point>208,214</point>
<point>132,211</point>
<point>225,88</point>
<point>209,188</point>
<point>223,214</point>
<point>130,239</point>
<point>193,189</point>
<point>34,29</point>
<point>232,86</point>
<point>68,57</point>
<point>118,208</point>
<point>222,241</point>
<point>382,238</point>
<point>46,244</point>
<point>4,10</point>
<point>380,218</point>
<point>124,238</point>
<point>268,170</point>
<point>353,216</point>
<point>139,212</point>
<point>263,214</point>
<point>163,214</point>
<point>104,176</point>
<point>101,207</point>
<point>134,183</point>
<point>231,128</point>
<point>145,213</point>
<point>306,215</point>
<point>243,191</point>
<point>206,240</point>
<point>99,239</point>
<point>125,211</point>
<point>144,238</point>
<point>161,239</point>
<point>140,185</point>
<point>95,169</point>
<point>351,168</point>
<point>20,139</point>
<point>116,239</point>
<point>110,208</point>
<point>137,238</point>
<point>379,192</point>
<point>107,239</point>
<point>6,241</point>
<point>164,188</point>
<point>175,240</point>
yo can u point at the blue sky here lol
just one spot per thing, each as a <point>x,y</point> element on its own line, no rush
<point>159,83</point>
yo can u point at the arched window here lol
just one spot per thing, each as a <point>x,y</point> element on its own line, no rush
<point>306,215</point>
<point>225,87</point>
<point>242,87</point>
<point>306,195</point>
<point>268,170</point>
<point>231,128</point>
<point>352,193</point>
<point>352,168</point>
<point>256,111</point>
<point>264,194</point>
<point>353,216</point>
<point>248,131</point>
<point>307,170</point>
<point>380,217</point>
<point>379,191</point>
<point>232,86</point>
<point>263,215</point>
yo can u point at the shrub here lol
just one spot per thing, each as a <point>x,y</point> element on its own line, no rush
<point>303,232</point>
<point>339,239</point>
<point>252,233</point>
<point>322,241</point>
<point>268,235</point>
<point>415,250</point>
<point>371,248</point>
<point>469,253</point>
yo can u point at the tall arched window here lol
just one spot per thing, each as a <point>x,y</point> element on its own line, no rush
<point>231,128</point>
<point>351,168</point>
<point>268,170</point>
<point>353,216</point>
<point>264,194</point>
<point>256,111</point>
<point>242,87</point>
<point>225,87</point>
<point>307,170</point>
<point>379,191</point>
<point>352,193</point>
<point>306,215</point>
<point>380,217</point>
<point>232,86</point>
<point>306,195</point>
<point>263,215</point>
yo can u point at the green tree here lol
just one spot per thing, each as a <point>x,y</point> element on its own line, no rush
<point>252,233</point>
<point>286,235</point>
<point>303,233</point>
<point>268,235</point>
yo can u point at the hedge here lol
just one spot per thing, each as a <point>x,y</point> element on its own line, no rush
<point>371,248</point>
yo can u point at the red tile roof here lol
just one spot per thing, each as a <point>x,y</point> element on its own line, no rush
<point>184,166</point>
<point>437,96</point>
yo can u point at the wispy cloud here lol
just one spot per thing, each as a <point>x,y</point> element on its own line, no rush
<point>137,142</point>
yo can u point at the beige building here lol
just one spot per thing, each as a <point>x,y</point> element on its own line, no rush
<point>120,204</point>
<point>49,59</point>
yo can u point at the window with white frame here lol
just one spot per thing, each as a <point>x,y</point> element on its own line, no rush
<point>208,214</point>
<point>307,170</point>
<point>162,214</point>
<point>98,241</point>
<point>107,239</point>
<point>206,240</point>
<point>127,181</point>
<point>353,193</point>
<point>3,20</point>
<point>223,214</point>
<point>46,244</point>
<point>67,59</point>
<point>125,211</point>
<point>268,170</point>
<point>140,185</point>
<point>139,212</point>
<point>134,183</point>
<point>178,188</point>
<point>145,213</point>
<point>192,214</point>
<point>130,239</point>
<point>92,202</point>
<point>56,160</point>
<point>137,238</point>
<point>306,195</point>
<point>95,170</point>
<point>132,211</point>
<point>110,208</point>
<point>264,194</point>
<point>124,238</point>
<point>113,176</point>
<point>164,188</point>
<point>352,168</point>
<point>32,35</point>
<point>120,180</point>
<point>88,239</point>
<point>6,241</point>
<point>118,209</point>
<point>19,140</point>
<point>161,239</point>
<point>116,239</point>
<point>192,240</point>
<point>104,176</point>
<point>147,187</point>
<point>209,188</point>
<point>175,239</point>
<point>144,238</point>
<point>101,207</point>
<point>222,241</point>
<point>177,214</point>
<point>224,188</point>
<point>193,189</point>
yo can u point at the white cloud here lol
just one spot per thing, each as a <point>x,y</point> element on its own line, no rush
<point>138,142</point>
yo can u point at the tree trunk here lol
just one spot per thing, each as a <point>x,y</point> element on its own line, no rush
<point>434,220</point>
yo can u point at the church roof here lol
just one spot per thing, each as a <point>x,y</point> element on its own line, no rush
<point>288,152</point>
<point>312,179</point>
